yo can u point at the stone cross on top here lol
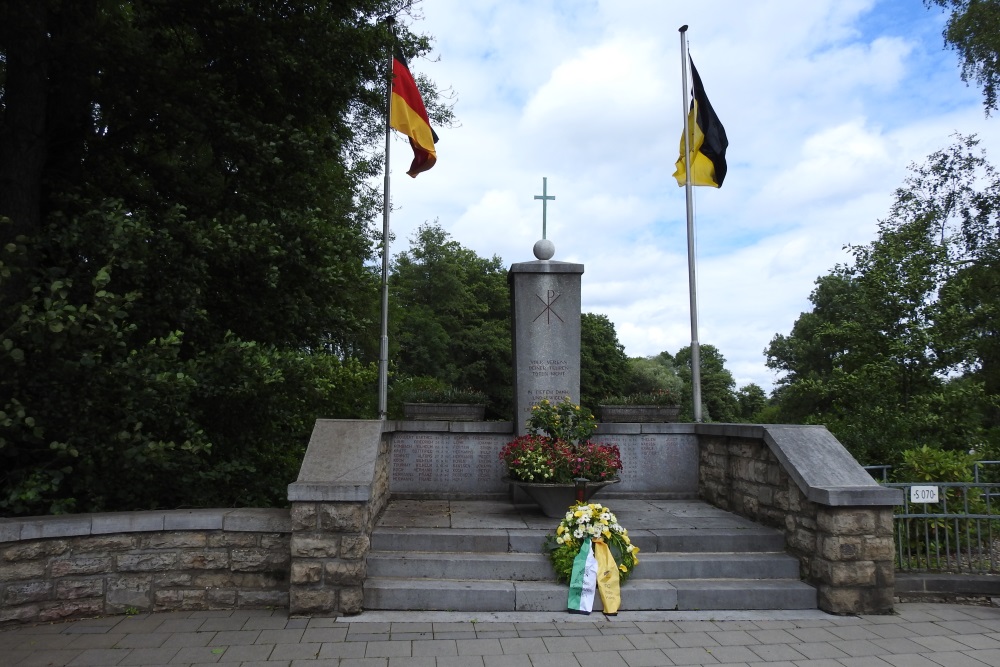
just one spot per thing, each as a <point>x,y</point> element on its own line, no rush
<point>545,197</point>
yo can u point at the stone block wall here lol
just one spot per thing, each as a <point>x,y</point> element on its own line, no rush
<point>330,543</point>
<point>92,564</point>
<point>846,551</point>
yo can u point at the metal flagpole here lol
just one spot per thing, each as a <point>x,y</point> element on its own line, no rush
<point>689,196</point>
<point>383,359</point>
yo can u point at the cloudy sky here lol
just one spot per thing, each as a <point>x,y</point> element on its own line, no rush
<point>825,102</point>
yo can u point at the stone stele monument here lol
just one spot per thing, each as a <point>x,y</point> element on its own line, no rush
<point>545,297</point>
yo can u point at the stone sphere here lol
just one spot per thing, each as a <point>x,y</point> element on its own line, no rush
<point>544,249</point>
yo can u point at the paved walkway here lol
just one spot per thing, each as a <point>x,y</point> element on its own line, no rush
<point>919,635</point>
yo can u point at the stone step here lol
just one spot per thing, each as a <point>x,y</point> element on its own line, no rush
<point>638,594</point>
<point>536,567</point>
<point>686,540</point>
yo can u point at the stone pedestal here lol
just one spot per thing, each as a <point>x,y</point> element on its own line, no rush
<point>545,320</point>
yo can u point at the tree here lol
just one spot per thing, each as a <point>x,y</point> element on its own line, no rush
<point>184,224</point>
<point>899,350</point>
<point>604,368</point>
<point>451,317</point>
<point>752,400</point>
<point>653,374</point>
<point>973,30</point>
<point>717,385</point>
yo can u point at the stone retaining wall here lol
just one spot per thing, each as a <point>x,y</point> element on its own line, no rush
<point>842,535</point>
<point>342,488</point>
<point>92,564</point>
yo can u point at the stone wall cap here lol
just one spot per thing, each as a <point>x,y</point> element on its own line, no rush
<point>253,520</point>
<point>342,452</point>
<point>544,266</point>
<point>618,429</point>
<point>864,496</point>
<point>318,492</point>
<point>823,469</point>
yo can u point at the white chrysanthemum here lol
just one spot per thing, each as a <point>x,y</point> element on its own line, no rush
<point>578,534</point>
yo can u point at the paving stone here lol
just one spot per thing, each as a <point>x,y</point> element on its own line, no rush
<point>775,652</point>
<point>235,638</point>
<point>247,653</point>
<point>909,660</point>
<point>280,636</point>
<point>198,654</point>
<point>726,654</point>
<point>652,641</point>
<point>939,644</point>
<point>149,656</point>
<point>186,639</point>
<point>479,647</point>
<point>505,661</point>
<point>734,638</point>
<point>859,647</point>
<point>601,659</point>
<point>343,650</point>
<point>410,661</point>
<point>49,658</point>
<point>99,657</point>
<point>295,651</point>
<point>513,646</point>
<point>689,656</point>
<point>898,645</point>
<point>148,640</point>
<point>650,657</point>
<point>547,660</point>
<point>88,641</point>
<point>459,661</point>
<point>819,650</point>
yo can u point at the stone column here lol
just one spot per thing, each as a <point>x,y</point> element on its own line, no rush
<point>545,320</point>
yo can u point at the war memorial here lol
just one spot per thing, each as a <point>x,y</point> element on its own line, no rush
<point>411,515</point>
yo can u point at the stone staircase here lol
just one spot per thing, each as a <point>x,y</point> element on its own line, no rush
<point>487,556</point>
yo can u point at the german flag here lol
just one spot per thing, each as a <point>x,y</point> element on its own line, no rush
<point>408,115</point>
<point>708,141</point>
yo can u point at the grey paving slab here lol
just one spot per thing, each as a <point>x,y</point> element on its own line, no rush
<point>650,657</point>
<point>247,653</point>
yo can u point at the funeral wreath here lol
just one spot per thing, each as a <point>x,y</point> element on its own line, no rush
<point>597,522</point>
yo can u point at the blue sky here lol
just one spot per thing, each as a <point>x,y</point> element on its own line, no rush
<point>825,104</point>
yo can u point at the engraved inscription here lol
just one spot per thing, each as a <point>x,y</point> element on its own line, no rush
<point>551,296</point>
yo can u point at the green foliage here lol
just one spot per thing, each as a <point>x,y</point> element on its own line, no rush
<point>647,375</point>
<point>658,397</point>
<point>446,394</point>
<point>926,464</point>
<point>562,421</point>
<point>717,398</point>
<point>752,401</point>
<point>900,348</point>
<point>184,225</point>
<point>604,368</point>
<point>450,317</point>
<point>974,31</point>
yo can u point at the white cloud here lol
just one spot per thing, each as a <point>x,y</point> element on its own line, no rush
<point>825,103</point>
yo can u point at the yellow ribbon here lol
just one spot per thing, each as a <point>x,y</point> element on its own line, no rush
<point>607,578</point>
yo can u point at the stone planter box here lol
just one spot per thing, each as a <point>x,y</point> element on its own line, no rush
<point>554,499</point>
<point>452,412</point>
<point>632,414</point>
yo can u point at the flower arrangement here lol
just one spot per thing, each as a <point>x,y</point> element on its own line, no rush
<point>558,450</point>
<point>597,522</point>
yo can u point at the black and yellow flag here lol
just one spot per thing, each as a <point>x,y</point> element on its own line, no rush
<point>708,141</point>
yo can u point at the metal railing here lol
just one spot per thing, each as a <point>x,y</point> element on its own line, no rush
<point>957,533</point>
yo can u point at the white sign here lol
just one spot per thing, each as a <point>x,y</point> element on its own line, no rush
<point>923,494</point>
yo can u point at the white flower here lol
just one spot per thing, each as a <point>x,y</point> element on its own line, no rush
<point>578,534</point>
